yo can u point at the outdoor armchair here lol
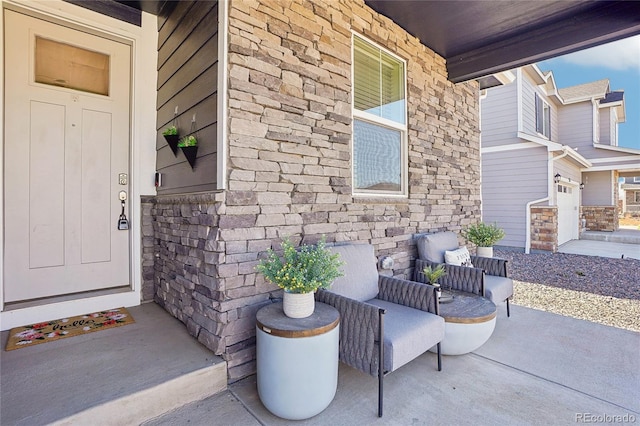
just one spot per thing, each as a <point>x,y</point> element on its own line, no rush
<point>488,277</point>
<point>402,314</point>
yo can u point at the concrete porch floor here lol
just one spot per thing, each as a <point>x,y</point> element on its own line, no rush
<point>119,376</point>
<point>537,368</point>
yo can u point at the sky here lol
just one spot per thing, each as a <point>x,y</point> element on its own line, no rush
<point>619,62</point>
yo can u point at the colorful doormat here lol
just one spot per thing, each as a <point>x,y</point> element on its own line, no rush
<point>49,331</point>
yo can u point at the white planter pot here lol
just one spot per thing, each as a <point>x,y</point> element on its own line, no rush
<point>485,251</point>
<point>298,305</point>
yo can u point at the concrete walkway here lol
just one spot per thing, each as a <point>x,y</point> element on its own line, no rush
<point>625,242</point>
<point>537,368</point>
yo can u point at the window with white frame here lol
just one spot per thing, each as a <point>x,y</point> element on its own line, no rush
<point>636,179</point>
<point>380,117</point>
<point>543,117</point>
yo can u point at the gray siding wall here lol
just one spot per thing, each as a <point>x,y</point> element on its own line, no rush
<point>510,179</point>
<point>598,187</point>
<point>499,117</point>
<point>187,80</point>
<point>568,169</point>
<point>576,127</point>
<point>605,126</point>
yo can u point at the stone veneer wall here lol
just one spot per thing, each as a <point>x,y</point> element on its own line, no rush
<point>148,248</point>
<point>633,208</point>
<point>290,166</point>
<point>544,228</point>
<point>601,218</point>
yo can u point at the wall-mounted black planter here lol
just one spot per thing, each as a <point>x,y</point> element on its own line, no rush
<point>190,152</point>
<point>173,140</point>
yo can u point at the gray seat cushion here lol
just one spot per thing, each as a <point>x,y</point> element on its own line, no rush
<point>408,333</point>
<point>431,247</point>
<point>497,289</point>
<point>360,279</point>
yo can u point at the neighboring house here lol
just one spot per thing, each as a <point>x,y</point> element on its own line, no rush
<point>630,195</point>
<point>312,117</point>
<point>550,159</point>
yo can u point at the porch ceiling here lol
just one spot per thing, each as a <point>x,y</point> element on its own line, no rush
<point>481,37</point>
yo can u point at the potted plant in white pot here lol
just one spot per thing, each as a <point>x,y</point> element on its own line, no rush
<point>300,272</point>
<point>484,236</point>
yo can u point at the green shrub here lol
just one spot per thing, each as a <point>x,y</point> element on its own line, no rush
<point>303,270</point>
<point>483,235</point>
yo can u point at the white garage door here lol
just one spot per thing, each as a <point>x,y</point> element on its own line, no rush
<point>568,212</point>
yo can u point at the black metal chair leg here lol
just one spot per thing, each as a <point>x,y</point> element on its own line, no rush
<point>508,312</point>
<point>381,313</point>
<point>439,358</point>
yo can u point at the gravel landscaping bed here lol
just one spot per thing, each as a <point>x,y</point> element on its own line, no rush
<point>592,288</point>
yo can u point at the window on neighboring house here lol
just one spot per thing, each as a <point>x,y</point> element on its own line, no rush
<point>636,179</point>
<point>379,125</point>
<point>637,197</point>
<point>543,117</point>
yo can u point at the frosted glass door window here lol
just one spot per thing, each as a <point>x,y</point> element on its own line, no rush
<point>64,65</point>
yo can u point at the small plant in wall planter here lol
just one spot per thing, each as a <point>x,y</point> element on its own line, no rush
<point>170,131</point>
<point>188,141</point>
<point>171,136</point>
<point>189,146</point>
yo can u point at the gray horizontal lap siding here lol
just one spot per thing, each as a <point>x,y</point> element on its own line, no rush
<point>576,128</point>
<point>568,169</point>
<point>499,116</point>
<point>188,81</point>
<point>597,189</point>
<point>510,179</point>
<point>605,126</point>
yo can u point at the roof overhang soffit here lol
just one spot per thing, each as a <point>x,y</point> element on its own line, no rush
<point>482,37</point>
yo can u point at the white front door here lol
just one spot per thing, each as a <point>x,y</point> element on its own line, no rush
<point>66,151</point>
<point>568,212</point>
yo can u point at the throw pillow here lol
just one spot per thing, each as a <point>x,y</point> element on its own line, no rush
<point>460,257</point>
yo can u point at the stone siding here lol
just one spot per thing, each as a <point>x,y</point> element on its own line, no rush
<point>600,218</point>
<point>633,207</point>
<point>289,159</point>
<point>148,250</point>
<point>544,228</point>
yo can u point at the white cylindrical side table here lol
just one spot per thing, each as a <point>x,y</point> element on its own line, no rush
<point>297,360</point>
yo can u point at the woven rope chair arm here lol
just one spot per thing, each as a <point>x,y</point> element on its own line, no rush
<point>491,265</point>
<point>359,324</point>
<point>408,293</point>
